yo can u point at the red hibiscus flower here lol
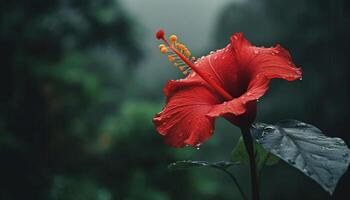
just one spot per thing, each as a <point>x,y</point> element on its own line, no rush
<point>225,83</point>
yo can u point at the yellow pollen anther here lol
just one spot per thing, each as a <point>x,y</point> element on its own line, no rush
<point>187,53</point>
<point>171,58</point>
<point>176,52</point>
<point>164,50</point>
<point>173,38</point>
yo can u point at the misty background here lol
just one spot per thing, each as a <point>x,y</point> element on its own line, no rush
<point>81,81</point>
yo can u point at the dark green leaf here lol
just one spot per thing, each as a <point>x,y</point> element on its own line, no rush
<point>262,157</point>
<point>303,146</point>
<point>189,164</point>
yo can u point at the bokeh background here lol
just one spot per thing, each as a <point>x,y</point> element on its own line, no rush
<point>82,79</point>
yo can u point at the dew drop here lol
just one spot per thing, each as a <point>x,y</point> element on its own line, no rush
<point>329,148</point>
<point>301,78</point>
<point>273,53</point>
<point>340,141</point>
<point>216,57</point>
<point>211,52</point>
<point>223,57</point>
<point>290,161</point>
<point>301,124</point>
<point>256,51</point>
<point>235,37</point>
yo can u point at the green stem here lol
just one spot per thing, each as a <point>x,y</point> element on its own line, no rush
<point>262,167</point>
<point>248,141</point>
<point>237,184</point>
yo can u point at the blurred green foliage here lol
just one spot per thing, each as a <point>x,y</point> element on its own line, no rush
<point>70,127</point>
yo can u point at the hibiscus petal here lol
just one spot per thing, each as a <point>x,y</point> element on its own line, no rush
<point>183,121</point>
<point>256,66</point>
<point>237,106</point>
<point>220,66</point>
<point>274,62</point>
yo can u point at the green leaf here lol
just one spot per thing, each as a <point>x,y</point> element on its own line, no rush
<point>304,147</point>
<point>262,157</point>
<point>190,164</point>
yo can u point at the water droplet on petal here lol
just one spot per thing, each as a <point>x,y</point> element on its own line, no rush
<point>235,37</point>
<point>273,53</point>
<point>216,57</point>
<point>256,51</point>
<point>197,146</point>
<point>301,78</point>
<point>211,52</point>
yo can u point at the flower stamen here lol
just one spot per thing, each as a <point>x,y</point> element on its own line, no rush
<point>181,58</point>
<point>173,57</point>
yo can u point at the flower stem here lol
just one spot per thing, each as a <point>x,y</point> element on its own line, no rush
<point>248,141</point>
<point>237,184</point>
